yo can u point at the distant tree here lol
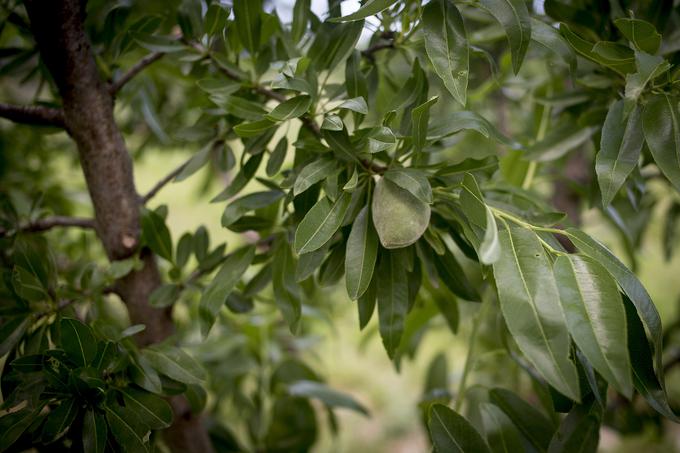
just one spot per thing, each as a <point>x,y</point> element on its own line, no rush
<point>377,164</point>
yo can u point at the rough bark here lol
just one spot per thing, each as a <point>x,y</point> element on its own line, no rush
<point>58,27</point>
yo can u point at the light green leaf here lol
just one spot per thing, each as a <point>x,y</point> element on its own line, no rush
<point>215,295</point>
<point>451,433</point>
<point>587,50</point>
<point>291,108</point>
<point>560,141</point>
<point>596,317</point>
<point>467,120</point>
<point>320,223</point>
<point>287,292</point>
<point>420,116</point>
<point>301,15</point>
<point>277,157</point>
<point>620,148</point>
<point>357,105</point>
<point>550,38</point>
<point>313,173</point>
<point>352,183</point>
<point>242,108</point>
<point>391,202</point>
<point>413,180</point>
<point>78,341</point>
<point>514,17</point>
<point>531,307</point>
<point>479,214</point>
<point>253,128</point>
<point>368,8</point>
<point>332,123</point>
<point>361,254</point>
<point>649,67</point>
<point>381,140</point>
<point>328,396</point>
<point>392,298</point>
<point>195,163</point>
<point>175,364</point>
<point>661,126</point>
<point>257,200</point>
<point>154,43</point>
<point>447,46</point>
<point>641,33</point>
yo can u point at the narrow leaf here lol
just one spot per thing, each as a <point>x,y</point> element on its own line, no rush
<point>451,433</point>
<point>661,125</point>
<point>361,254</point>
<point>392,297</point>
<point>320,223</point>
<point>368,8</point>
<point>291,108</point>
<point>514,17</point>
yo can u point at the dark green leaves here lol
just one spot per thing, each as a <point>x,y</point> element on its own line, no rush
<point>257,200</point>
<point>451,433</point>
<point>320,223</point>
<point>151,409</point>
<point>94,432</point>
<point>361,254</point>
<point>78,341</point>
<point>595,317</point>
<point>413,180</point>
<point>620,148</point>
<point>392,294</point>
<point>368,8</point>
<point>156,234</point>
<point>531,307</point>
<point>175,364</point>
<point>391,202</point>
<point>447,47</point>
<point>315,172</point>
<point>533,425</point>
<point>420,117</point>
<point>481,218</point>
<point>514,17</point>
<point>661,125</point>
<point>215,295</point>
<point>248,23</point>
<point>642,34</point>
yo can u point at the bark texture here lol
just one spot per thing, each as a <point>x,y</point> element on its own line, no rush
<point>58,27</point>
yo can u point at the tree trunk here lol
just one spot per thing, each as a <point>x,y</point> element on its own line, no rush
<point>58,27</point>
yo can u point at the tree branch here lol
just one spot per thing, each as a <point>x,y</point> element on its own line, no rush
<point>116,86</point>
<point>166,179</point>
<point>48,223</point>
<point>35,115</point>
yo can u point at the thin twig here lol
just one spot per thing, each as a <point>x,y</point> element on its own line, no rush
<point>48,223</point>
<point>134,70</point>
<point>166,179</point>
<point>36,115</point>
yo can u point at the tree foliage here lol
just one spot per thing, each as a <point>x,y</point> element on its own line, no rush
<point>373,146</point>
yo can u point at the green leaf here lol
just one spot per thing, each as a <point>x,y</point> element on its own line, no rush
<point>253,128</point>
<point>164,295</point>
<point>357,105</point>
<point>641,33</point>
<point>500,432</point>
<point>156,234</point>
<point>579,430</point>
<point>313,173</point>
<point>661,126</point>
<point>13,425</point>
<point>248,23</point>
<point>78,341</point>
<point>301,16</point>
<point>559,141</point>
<point>175,364</point>
<point>287,292</point>
<point>413,180</point>
<point>333,43</point>
<point>420,116</point>
<point>243,108</point>
<point>320,223</point>
<point>452,275</point>
<point>514,17</point>
<point>241,180</point>
<point>595,317</point>
<point>391,202</point>
<point>447,46</point>
<point>129,432</point>
<point>451,433</point>
<point>151,409</point>
<point>368,8</point>
<point>94,432</point>
<point>472,202</point>
<point>332,123</point>
<point>392,298</point>
<point>11,332</point>
<point>154,43</point>
<point>328,396</point>
<point>627,281</point>
<point>533,425</point>
<point>620,148</point>
<point>257,200</point>
<point>366,303</point>
<point>277,157</point>
<point>587,50</point>
<point>291,108</point>
<point>60,419</point>
<point>382,139</point>
<point>644,378</point>
<point>361,254</point>
<point>352,182</point>
<point>195,163</point>
<point>649,67</point>
<point>467,120</point>
<point>215,295</point>
<point>531,307</point>
<point>550,38</point>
